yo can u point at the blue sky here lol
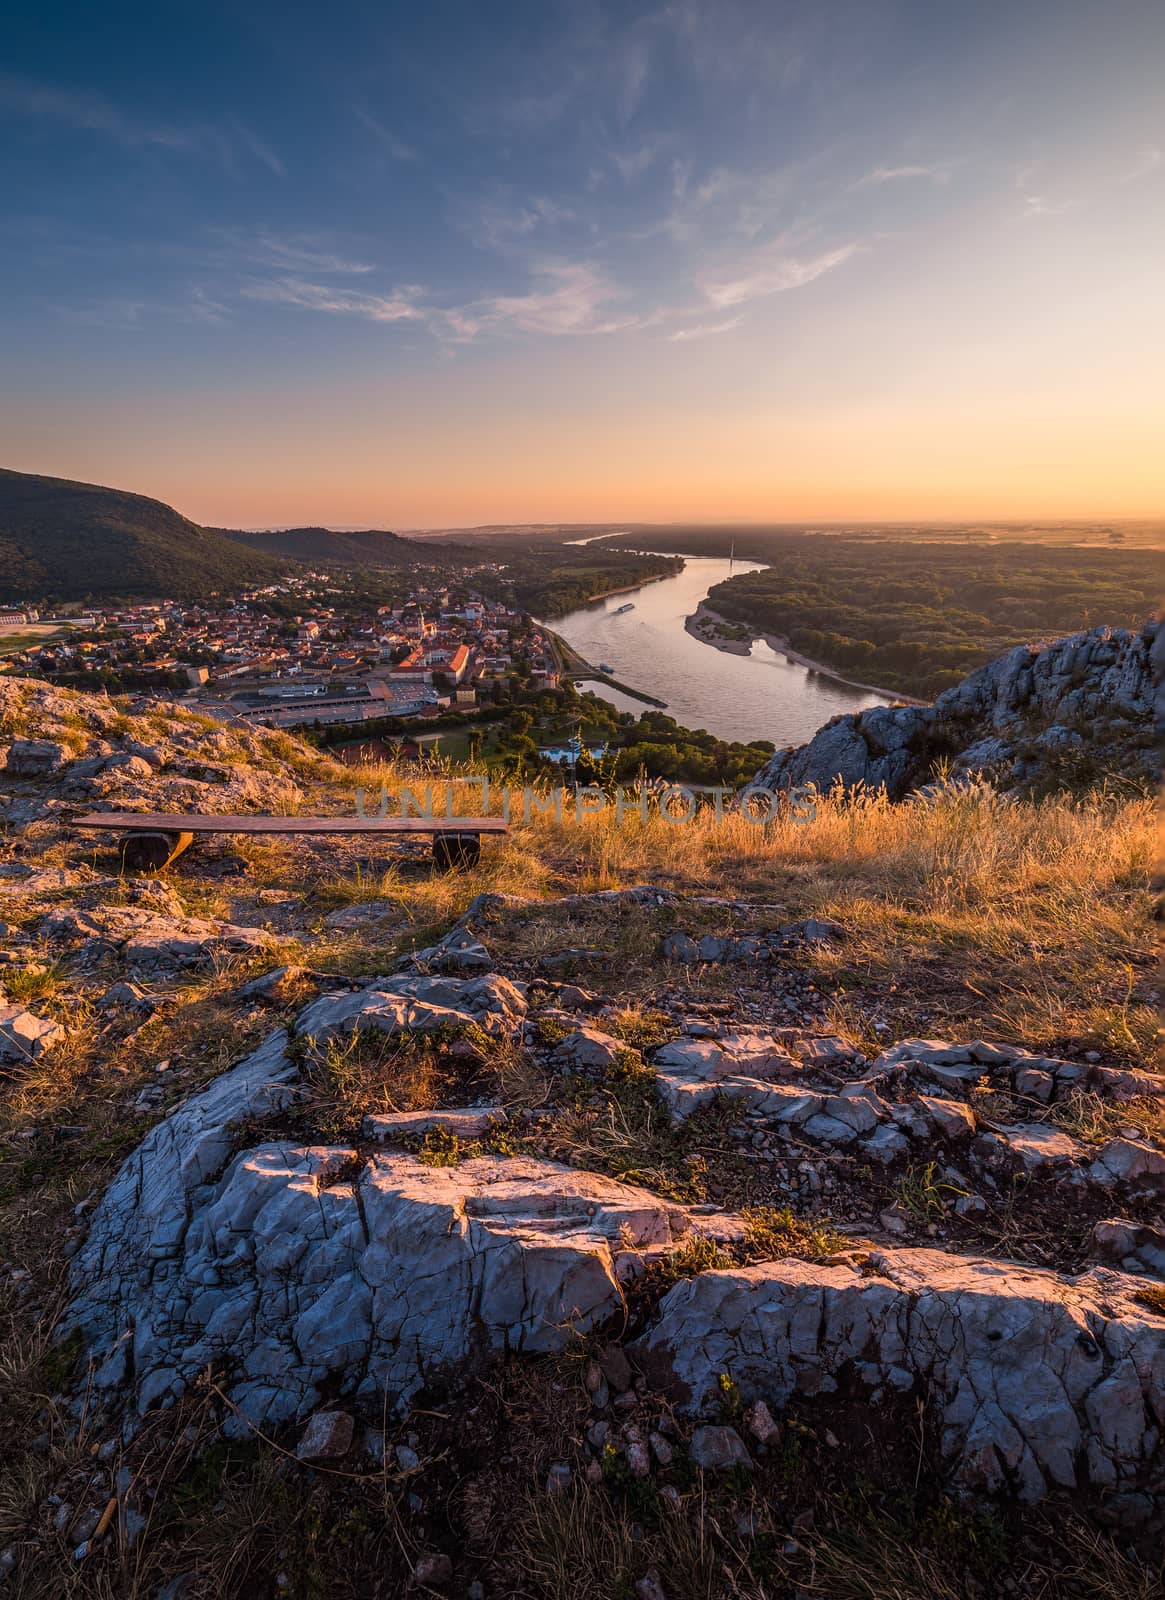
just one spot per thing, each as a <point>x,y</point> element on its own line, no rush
<point>516,235</point>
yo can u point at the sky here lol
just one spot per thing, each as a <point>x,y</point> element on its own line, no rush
<point>478,261</point>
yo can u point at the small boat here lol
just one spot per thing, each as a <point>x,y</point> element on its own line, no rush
<point>605,666</point>
<point>619,610</point>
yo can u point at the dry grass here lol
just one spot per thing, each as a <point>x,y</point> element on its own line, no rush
<point>1027,922</point>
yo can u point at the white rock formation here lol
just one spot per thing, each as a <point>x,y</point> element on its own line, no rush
<point>145,940</point>
<point>693,1071</point>
<point>1037,1380</point>
<point>24,1036</point>
<point>1011,719</point>
<point>299,1266</point>
<point>408,1004</point>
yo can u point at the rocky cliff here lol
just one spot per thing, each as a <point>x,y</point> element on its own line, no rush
<point>1067,714</point>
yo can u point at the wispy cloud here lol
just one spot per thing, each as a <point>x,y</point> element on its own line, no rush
<point>129,315</point>
<point>298,252</point>
<point>397,148</point>
<point>505,223</point>
<point>202,307</point>
<point>88,112</point>
<point>1039,205</point>
<point>567,299</point>
<point>258,148</point>
<point>400,305</point>
<point>631,161</point>
<point>893,174</point>
<point>571,298</point>
<point>773,271</point>
<point>705,330</point>
<point>1149,158</point>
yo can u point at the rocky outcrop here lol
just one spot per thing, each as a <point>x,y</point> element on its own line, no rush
<point>768,946</point>
<point>146,941</point>
<point>303,1266</point>
<point>692,1071</point>
<point>909,1097</point>
<point>307,1272</point>
<point>89,749</point>
<point>1032,716</point>
<point>1037,1380</point>
<point>406,1004</point>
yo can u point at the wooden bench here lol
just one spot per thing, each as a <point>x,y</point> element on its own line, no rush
<point>159,837</point>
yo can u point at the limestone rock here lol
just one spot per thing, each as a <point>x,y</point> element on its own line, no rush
<point>327,1437</point>
<point>827,1052</point>
<point>433,1569</point>
<point>23,1036</point>
<point>719,1449</point>
<point>679,946</point>
<point>267,985</point>
<point>145,940</point>
<point>458,951</point>
<point>469,1123</point>
<point>758,1420</point>
<point>34,758</point>
<point>692,1071</point>
<point>130,995</point>
<point>1010,720</point>
<point>1037,1145</point>
<point>952,1118</point>
<point>1038,1380</point>
<point>365,914</point>
<point>1130,1162</point>
<point>405,1003</point>
<point>588,1049</point>
<point>1135,1246</point>
<point>310,1267</point>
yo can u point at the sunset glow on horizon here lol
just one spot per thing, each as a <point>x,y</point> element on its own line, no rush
<point>578,262</point>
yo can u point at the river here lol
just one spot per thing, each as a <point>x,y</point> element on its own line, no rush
<point>759,696</point>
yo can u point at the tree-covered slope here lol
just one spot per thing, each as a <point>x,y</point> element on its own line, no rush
<point>373,547</point>
<point>61,540</point>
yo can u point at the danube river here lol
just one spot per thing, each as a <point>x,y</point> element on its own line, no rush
<point>759,696</point>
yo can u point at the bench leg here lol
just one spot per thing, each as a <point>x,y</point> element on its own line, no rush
<point>153,852</point>
<point>453,850</point>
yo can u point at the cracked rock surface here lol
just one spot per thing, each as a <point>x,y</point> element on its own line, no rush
<point>301,1265</point>
<point>1007,720</point>
<point>304,1271</point>
<point>144,939</point>
<point>1037,1380</point>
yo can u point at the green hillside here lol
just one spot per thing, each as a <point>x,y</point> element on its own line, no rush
<point>61,540</point>
<point>323,547</point>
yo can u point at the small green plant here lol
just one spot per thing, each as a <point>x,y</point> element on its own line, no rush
<point>641,1029</point>
<point>442,1148</point>
<point>772,1232</point>
<point>696,1255</point>
<point>34,982</point>
<point>924,1194</point>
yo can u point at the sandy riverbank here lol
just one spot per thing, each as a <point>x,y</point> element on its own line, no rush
<point>775,641</point>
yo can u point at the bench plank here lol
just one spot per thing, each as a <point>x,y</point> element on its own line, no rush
<point>178,822</point>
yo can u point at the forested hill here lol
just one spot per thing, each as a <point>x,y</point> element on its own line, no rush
<point>61,540</point>
<point>322,547</point>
